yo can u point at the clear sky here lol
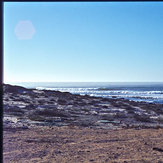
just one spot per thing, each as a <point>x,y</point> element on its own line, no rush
<point>83,42</point>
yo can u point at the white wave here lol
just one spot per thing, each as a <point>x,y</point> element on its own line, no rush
<point>129,94</point>
<point>40,88</point>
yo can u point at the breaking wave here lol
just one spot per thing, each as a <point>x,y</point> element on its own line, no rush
<point>148,96</point>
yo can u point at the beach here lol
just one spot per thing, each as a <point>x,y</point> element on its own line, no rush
<point>74,144</point>
<point>53,126</point>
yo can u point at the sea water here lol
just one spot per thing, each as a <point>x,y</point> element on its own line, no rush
<point>151,92</point>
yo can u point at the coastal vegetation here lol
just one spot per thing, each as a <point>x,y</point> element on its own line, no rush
<point>63,108</point>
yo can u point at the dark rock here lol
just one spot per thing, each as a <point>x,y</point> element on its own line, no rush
<point>105,99</point>
<point>91,160</point>
<point>158,149</point>
<point>93,102</point>
<point>52,112</point>
<point>41,101</point>
<point>58,152</point>
<point>160,161</point>
<point>86,96</point>
<point>13,89</point>
<point>25,127</point>
<point>30,107</point>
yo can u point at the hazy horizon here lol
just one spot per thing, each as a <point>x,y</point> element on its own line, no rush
<point>83,42</point>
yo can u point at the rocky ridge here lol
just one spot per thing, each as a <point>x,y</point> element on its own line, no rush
<point>26,108</point>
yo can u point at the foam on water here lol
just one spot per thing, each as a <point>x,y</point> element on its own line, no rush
<point>148,96</point>
<point>149,92</point>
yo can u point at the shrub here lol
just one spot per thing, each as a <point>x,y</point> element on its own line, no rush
<point>50,102</point>
<point>130,111</point>
<point>142,118</point>
<point>120,115</point>
<point>116,104</point>
<point>107,117</point>
<point>159,111</point>
<point>36,118</point>
<point>61,101</point>
<point>160,120</point>
<point>157,127</point>
<point>41,101</point>
<point>14,110</point>
<point>52,112</point>
<point>85,109</point>
<point>129,108</point>
<point>86,123</point>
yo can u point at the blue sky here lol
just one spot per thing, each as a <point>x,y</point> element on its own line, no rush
<point>84,42</point>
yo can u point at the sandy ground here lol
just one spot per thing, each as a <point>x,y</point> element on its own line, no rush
<point>74,145</point>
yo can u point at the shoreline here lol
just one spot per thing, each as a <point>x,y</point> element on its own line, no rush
<point>31,108</point>
<point>52,126</point>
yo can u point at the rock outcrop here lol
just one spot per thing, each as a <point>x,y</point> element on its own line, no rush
<point>33,107</point>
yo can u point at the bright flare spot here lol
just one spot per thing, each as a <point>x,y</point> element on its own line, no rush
<point>24,30</point>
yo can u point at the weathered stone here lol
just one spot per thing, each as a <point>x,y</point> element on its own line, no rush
<point>41,105</point>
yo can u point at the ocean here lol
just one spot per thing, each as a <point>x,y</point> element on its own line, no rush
<point>151,92</point>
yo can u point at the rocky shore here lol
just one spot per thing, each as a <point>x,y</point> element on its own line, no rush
<point>28,108</point>
<point>54,127</point>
